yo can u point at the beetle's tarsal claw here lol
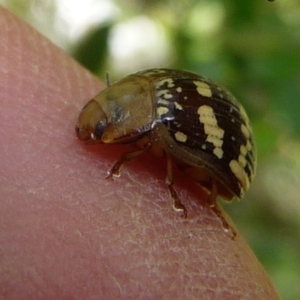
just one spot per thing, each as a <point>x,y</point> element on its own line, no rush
<point>177,205</point>
<point>228,228</point>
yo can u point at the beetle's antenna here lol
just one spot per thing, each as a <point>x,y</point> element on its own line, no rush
<point>107,79</point>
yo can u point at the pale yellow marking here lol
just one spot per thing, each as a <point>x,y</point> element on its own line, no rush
<point>214,133</point>
<point>178,106</point>
<point>240,174</point>
<point>203,89</point>
<point>243,113</point>
<point>163,101</point>
<point>242,161</point>
<point>163,94</point>
<point>212,139</point>
<point>154,72</point>
<point>243,150</point>
<point>162,110</point>
<point>169,81</point>
<point>218,152</point>
<point>245,131</point>
<point>248,146</point>
<point>179,89</point>
<point>238,166</point>
<point>180,136</point>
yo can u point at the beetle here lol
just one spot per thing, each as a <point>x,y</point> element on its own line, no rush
<point>189,119</point>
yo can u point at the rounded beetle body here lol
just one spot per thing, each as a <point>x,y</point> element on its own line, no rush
<point>198,125</point>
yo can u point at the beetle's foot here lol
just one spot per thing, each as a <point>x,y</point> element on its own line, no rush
<point>177,205</point>
<point>228,228</point>
<point>212,202</point>
<point>114,172</point>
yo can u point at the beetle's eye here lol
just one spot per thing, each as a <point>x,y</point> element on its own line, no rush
<point>99,129</point>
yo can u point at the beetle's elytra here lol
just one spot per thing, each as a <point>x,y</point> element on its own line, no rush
<point>189,118</point>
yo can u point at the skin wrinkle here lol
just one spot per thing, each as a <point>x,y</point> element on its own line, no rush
<point>76,235</point>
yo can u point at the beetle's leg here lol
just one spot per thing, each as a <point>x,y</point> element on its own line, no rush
<point>177,205</point>
<point>212,202</point>
<point>114,172</point>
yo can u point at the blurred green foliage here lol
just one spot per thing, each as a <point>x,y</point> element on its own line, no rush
<point>89,52</point>
<point>253,48</point>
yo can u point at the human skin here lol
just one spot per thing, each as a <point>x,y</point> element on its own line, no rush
<point>65,231</point>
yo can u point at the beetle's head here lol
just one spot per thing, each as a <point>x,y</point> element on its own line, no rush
<point>91,123</point>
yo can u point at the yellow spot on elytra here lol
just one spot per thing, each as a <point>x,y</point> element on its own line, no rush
<point>163,94</point>
<point>203,89</point>
<point>239,172</point>
<point>218,152</point>
<point>238,166</point>
<point>180,137</point>
<point>178,106</point>
<point>162,110</point>
<point>245,131</point>
<point>214,133</point>
<point>243,150</point>
<point>163,101</point>
<point>243,113</point>
<point>248,145</point>
<point>168,81</point>
<point>242,161</point>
